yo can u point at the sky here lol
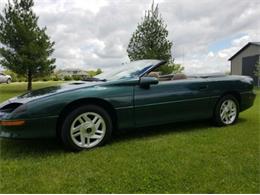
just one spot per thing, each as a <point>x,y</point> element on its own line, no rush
<point>92,34</point>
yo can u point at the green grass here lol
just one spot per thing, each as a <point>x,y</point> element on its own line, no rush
<point>191,157</point>
<point>10,90</point>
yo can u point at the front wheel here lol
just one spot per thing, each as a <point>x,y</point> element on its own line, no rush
<point>8,81</point>
<point>86,127</point>
<point>226,111</point>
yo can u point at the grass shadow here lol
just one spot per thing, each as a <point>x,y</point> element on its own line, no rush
<point>152,131</point>
<point>40,148</point>
<point>29,148</point>
<point>179,127</point>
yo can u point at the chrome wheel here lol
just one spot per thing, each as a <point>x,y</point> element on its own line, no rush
<point>88,130</point>
<point>228,112</point>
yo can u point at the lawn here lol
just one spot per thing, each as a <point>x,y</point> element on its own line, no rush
<point>193,157</point>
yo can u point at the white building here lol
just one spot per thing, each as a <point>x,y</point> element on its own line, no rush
<point>243,62</point>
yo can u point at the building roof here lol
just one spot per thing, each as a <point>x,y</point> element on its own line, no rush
<point>243,48</point>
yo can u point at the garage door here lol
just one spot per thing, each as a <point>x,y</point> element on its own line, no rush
<point>248,66</point>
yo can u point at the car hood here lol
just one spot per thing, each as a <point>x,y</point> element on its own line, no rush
<point>48,91</point>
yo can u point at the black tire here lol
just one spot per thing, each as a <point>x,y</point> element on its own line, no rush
<point>65,132</point>
<point>8,81</point>
<point>217,112</point>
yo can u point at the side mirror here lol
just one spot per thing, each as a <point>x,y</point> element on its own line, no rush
<point>145,82</point>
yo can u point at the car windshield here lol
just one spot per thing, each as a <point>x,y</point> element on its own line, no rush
<point>129,70</point>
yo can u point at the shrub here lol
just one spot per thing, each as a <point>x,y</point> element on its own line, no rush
<point>21,79</point>
<point>76,77</point>
<point>35,79</point>
<point>67,78</point>
<point>55,77</point>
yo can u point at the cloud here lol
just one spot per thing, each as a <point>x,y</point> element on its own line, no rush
<point>215,62</point>
<point>95,33</point>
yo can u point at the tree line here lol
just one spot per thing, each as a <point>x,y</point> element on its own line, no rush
<point>57,75</point>
<point>27,49</point>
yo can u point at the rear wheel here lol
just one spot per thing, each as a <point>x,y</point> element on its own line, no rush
<point>86,127</point>
<point>227,111</point>
<point>8,81</point>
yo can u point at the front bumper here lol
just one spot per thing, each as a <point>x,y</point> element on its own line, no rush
<point>32,128</point>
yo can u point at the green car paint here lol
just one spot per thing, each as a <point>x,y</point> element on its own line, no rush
<point>135,101</point>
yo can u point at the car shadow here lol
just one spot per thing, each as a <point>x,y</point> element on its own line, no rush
<point>171,128</point>
<point>20,149</point>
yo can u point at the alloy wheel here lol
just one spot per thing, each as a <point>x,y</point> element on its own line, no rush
<point>88,130</point>
<point>228,112</point>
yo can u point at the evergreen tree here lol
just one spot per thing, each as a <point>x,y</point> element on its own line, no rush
<point>26,48</point>
<point>149,41</point>
<point>98,71</point>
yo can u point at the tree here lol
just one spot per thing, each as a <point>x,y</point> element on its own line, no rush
<point>98,71</point>
<point>149,41</point>
<point>92,73</point>
<point>26,48</point>
<point>257,73</point>
<point>171,68</point>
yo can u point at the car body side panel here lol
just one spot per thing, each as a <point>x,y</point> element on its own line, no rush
<point>247,100</point>
<point>172,101</point>
<point>219,87</point>
<point>189,99</point>
<point>4,78</point>
<point>120,97</point>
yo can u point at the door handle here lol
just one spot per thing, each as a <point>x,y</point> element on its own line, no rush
<point>204,87</point>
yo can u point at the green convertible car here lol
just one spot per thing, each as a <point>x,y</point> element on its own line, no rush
<point>84,114</point>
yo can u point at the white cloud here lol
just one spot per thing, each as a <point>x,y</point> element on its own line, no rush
<point>218,61</point>
<point>95,33</point>
<point>63,5</point>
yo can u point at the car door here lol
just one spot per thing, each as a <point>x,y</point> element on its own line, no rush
<point>171,101</point>
<point>1,77</point>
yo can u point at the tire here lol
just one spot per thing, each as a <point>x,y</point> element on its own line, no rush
<point>226,111</point>
<point>8,81</point>
<point>86,127</point>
